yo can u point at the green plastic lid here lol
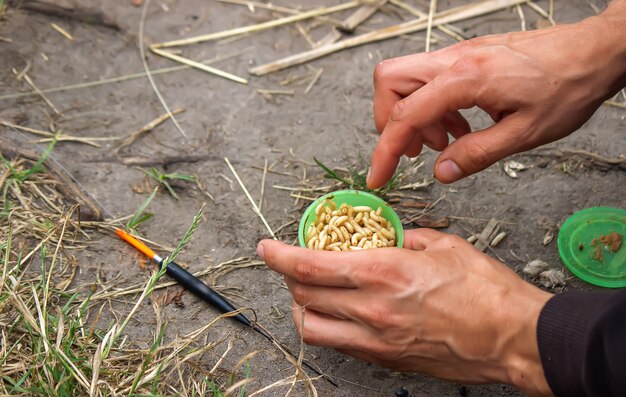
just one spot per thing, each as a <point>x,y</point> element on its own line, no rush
<point>353,198</point>
<point>591,245</point>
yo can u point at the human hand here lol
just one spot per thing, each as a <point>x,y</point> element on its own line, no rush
<point>537,86</point>
<point>438,306</point>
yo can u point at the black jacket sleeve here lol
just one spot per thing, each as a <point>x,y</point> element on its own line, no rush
<point>582,344</point>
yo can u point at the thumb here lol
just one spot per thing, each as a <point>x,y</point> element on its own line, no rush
<point>478,150</point>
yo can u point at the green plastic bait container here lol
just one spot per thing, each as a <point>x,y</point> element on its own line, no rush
<point>353,198</point>
<point>588,246</point>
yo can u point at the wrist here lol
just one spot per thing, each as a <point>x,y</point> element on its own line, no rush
<point>520,356</point>
<point>610,43</point>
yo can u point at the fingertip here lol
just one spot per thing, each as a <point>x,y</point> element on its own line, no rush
<point>260,249</point>
<point>381,169</point>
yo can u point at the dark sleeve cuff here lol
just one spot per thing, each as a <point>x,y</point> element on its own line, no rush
<point>563,330</point>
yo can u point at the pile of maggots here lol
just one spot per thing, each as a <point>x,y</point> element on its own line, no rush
<point>349,228</point>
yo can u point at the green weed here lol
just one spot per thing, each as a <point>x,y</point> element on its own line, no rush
<point>163,179</point>
<point>18,176</point>
<point>141,215</point>
<point>358,180</point>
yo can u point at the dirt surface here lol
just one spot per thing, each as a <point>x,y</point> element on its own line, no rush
<point>226,119</point>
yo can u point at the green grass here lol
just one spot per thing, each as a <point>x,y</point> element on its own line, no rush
<point>18,176</point>
<point>164,179</point>
<point>141,215</point>
<point>358,180</point>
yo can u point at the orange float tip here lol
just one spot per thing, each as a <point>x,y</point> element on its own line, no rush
<point>135,243</point>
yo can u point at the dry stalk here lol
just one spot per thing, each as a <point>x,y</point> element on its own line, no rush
<point>142,53</point>
<point>450,30</point>
<point>429,28</point>
<point>62,31</point>
<point>119,79</point>
<point>133,136</point>
<point>317,76</point>
<point>448,16</point>
<point>197,65</point>
<point>258,27</point>
<point>541,12</point>
<point>254,206</point>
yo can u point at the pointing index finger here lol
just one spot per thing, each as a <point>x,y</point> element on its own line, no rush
<point>424,107</point>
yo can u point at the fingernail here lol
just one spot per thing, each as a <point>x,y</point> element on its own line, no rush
<point>260,251</point>
<point>449,170</point>
<point>369,173</point>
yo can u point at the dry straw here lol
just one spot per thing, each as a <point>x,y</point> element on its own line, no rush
<point>448,16</point>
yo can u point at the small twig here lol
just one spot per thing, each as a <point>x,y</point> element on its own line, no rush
<point>276,92</point>
<point>429,28</point>
<point>263,186</point>
<point>541,12</point>
<point>78,139</point>
<point>317,76</point>
<point>49,136</point>
<point>551,9</point>
<point>133,136</point>
<point>488,233</point>
<point>615,104</point>
<point>258,27</point>
<point>448,16</point>
<point>41,94</point>
<point>305,34</point>
<point>450,30</point>
<point>284,10</point>
<point>361,15</point>
<point>254,206</point>
<point>62,31</point>
<point>198,65</point>
<point>520,12</point>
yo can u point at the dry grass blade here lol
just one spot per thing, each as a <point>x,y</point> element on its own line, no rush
<point>41,94</point>
<point>361,15</point>
<point>284,10</point>
<point>615,104</point>
<point>429,28</point>
<point>62,31</point>
<point>263,186</point>
<point>448,16</point>
<point>451,31</point>
<point>254,206</point>
<point>258,27</point>
<point>266,92</point>
<point>198,65</point>
<point>49,136</point>
<point>522,18</point>
<point>120,79</point>
<point>142,53</point>
<point>317,76</point>
<point>541,12</point>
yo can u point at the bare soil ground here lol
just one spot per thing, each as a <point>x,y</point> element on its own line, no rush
<point>223,119</point>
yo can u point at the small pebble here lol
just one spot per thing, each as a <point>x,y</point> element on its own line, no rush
<point>534,268</point>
